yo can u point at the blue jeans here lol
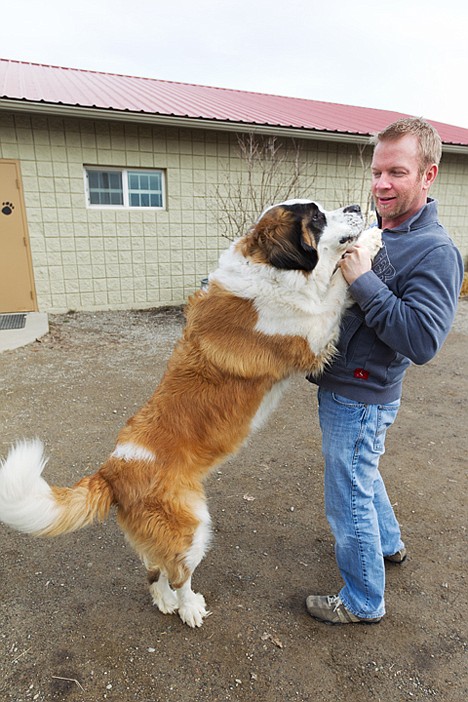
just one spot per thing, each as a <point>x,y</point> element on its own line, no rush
<point>357,507</point>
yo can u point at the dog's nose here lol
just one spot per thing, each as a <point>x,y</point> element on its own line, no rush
<point>352,208</point>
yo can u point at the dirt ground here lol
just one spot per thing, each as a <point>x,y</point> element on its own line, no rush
<point>77,621</point>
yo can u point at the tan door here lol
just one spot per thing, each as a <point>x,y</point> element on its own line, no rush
<point>17,292</point>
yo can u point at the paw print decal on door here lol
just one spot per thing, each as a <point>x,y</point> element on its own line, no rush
<point>7,208</point>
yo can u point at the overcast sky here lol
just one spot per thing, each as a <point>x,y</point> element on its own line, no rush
<point>405,55</point>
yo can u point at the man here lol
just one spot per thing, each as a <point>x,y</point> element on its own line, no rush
<point>404,307</point>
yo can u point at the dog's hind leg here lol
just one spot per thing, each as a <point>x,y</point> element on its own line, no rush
<point>191,606</point>
<point>163,595</point>
<point>142,534</point>
<point>171,549</point>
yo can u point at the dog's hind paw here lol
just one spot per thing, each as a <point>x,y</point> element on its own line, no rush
<point>193,611</point>
<point>164,597</point>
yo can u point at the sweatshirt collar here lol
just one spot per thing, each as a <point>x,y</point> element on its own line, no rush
<point>424,216</point>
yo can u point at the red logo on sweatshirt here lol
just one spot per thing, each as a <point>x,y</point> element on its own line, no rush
<point>361,373</point>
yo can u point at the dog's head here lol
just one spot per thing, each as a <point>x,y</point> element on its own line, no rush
<point>288,235</point>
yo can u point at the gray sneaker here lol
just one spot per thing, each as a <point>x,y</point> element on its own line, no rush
<point>397,557</point>
<point>331,610</point>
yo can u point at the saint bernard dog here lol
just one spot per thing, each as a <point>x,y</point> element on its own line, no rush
<point>272,308</point>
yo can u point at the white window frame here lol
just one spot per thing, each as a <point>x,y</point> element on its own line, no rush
<point>125,190</point>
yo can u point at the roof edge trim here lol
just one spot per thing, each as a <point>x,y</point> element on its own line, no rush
<point>13,105</point>
<point>173,120</point>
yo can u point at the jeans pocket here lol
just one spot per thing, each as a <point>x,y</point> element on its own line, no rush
<point>352,404</point>
<point>386,415</point>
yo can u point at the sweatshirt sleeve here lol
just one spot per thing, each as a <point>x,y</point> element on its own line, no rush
<point>417,321</point>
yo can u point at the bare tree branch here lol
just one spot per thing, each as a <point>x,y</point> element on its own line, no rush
<point>271,170</point>
<point>353,185</point>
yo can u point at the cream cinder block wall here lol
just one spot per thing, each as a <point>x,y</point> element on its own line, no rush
<point>451,190</point>
<point>86,258</point>
<point>92,259</point>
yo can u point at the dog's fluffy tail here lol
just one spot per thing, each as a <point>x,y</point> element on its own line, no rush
<point>29,504</point>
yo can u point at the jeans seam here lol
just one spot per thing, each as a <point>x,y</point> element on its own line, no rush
<point>356,454</point>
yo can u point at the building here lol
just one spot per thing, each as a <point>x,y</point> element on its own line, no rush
<point>115,190</point>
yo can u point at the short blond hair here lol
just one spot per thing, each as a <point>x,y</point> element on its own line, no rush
<point>430,143</point>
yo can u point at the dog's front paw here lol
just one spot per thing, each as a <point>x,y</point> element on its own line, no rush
<point>372,240</point>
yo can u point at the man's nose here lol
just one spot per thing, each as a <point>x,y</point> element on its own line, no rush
<point>382,182</point>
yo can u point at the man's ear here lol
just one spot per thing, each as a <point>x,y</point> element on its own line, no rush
<point>430,175</point>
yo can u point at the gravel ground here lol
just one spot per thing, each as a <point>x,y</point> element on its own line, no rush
<point>77,622</point>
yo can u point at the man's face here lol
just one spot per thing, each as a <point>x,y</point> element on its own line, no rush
<point>398,187</point>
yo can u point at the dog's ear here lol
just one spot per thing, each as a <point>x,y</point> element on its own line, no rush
<point>280,239</point>
<point>308,242</point>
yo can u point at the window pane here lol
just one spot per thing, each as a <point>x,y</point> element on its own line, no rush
<point>116,198</point>
<point>105,187</point>
<point>115,181</point>
<point>93,179</point>
<point>155,182</point>
<point>133,181</point>
<point>145,189</point>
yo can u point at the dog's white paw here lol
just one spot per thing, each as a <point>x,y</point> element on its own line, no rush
<point>372,240</point>
<point>164,597</point>
<point>193,610</point>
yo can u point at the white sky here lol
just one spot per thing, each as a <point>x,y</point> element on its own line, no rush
<point>405,55</point>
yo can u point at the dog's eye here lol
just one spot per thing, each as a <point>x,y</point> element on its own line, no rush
<point>316,216</point>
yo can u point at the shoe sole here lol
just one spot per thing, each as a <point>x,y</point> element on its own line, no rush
<point>390,560</point>
<point>326,621</point>
<point>367,622</point>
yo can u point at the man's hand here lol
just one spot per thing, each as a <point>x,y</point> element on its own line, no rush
<point>355,261</point>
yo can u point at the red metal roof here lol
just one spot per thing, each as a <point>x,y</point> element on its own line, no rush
<point>54,85</point>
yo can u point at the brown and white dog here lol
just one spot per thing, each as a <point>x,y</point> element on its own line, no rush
<point>272,308</point>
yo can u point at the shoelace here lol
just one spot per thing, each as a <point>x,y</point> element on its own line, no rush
<point>335,602</point>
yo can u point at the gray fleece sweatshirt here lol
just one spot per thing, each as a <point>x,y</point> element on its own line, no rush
<point>404,309</point>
